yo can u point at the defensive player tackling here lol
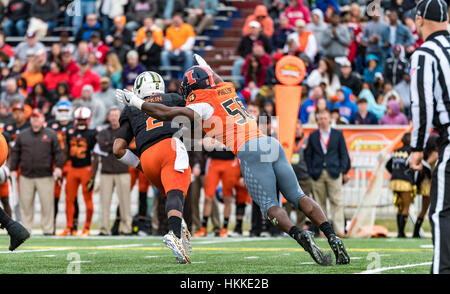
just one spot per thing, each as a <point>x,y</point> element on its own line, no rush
<point>264,165</point>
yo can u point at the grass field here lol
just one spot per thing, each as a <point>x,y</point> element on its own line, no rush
<point>128,255</point>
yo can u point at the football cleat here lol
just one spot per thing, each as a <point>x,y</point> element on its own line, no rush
<point>17,233</point>
<point>186,238</point>
<point>223,233</point>
<point>68,232</point>
<point>84,233</point>
<point>338,248</point>
<point>310,246</point>
<point>176,246</point>
<point>202,232</point>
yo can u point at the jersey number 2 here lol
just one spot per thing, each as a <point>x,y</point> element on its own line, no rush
<point>153,123</point>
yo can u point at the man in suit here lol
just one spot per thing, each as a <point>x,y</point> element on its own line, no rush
<point>328,161</point>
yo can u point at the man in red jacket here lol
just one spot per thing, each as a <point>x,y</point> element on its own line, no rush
<point>85,76</point>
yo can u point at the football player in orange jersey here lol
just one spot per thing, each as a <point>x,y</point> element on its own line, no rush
<point>17,233</point>
<point>264,165</point>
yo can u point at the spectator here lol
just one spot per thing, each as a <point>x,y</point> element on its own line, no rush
<point>336,39</point>
<point>373,68</point>
<point>12,95</point>
<point>6,117</point>
<point>109,10</point>
<point>404,91</point>
<point>304,40</point>
<point>5,48</point>
<point>40,98</point>
<point>297,10</point>
<point>22,85</point>
<point>31,44</point>
<point>65,43</point>
<point>349,78</point>
<point>82,51</point>
<point>336,118</point>
<point>263,18</point>
<point>98,47</point>
<point>255,65</point>
<point>150,53</point>
<point>201,14</point>
<point>395,33</point>
<point>107,95</point>
<point>325,74</point>
<point>55,53</point>
<point>114,70</point>
<point>321,105</point>
<point>149,25</point>
<point>96,106</point>
<point>325,5</point>
<point>95,65</point>
<point>120,29</point>
<point>393,115</point>
<point>86,8</point>
<point>17,15</point>
<point>70,66</point>
<point>55,76</point>
<point>62,92</point>
<point>309,105</point>
<point>113,174</point>
<point>36,171</point>
<point>47,11</point>
<point>132,69</point>
<point>317,25</point>
<point>168,9</point>
<point>92,24</point>
<point>281,34</point>
<point>418,41</point>
<point>271,78</point>
<point>32,75</point>
<point>374,107</point>
<point>85,76</point>
<point>328,162</point>
<point>120,49</point>
<point>395,66</point>
<point>372,36</point>
<point>363,116</point>
<point>179,43</point>
<point>138,11</point>
<point>347,108</point>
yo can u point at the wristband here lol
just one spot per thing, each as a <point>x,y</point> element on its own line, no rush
<point>129,159</point>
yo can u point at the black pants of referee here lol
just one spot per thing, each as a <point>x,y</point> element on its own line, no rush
<point>440,213</point>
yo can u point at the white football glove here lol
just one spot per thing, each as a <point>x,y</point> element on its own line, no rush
<point>129,98</point>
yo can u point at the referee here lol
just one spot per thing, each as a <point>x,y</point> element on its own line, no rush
<point>430,105</point>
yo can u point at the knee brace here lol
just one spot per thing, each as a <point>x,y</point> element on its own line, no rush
<point>240,208</point>
<point>174,200</point>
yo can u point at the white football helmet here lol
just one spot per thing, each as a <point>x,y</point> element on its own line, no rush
<point>63,111</point>
<point>82,116</point>
<point>147,84</point>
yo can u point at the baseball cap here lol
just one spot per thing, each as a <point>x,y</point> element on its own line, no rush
<point>95,34</point>
<point>18,106</point>
<point>31,34</point>
<point>434,10</point>
<point>37,113</point>
<point>300,23</point>
<point>254,24</point>
<point>397,48</point>
<point>345,62</point>
<point>379,75</point>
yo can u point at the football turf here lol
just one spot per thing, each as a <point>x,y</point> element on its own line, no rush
<point>142,255</point>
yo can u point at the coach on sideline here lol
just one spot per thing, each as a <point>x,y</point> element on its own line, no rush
<point>36,150</point>
<point>430,100</point>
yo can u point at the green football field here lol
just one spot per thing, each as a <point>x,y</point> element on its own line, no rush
<point>143,255</point>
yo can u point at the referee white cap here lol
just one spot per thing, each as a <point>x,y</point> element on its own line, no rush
<point>434,10</point>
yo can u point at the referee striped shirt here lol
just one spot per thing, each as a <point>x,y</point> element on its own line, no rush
<point>430,84</point>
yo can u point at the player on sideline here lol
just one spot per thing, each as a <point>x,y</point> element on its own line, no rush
<point>163,158</point>
<point>17,233</point>
<point>263,161</point>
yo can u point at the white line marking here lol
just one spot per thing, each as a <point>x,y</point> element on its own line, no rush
<point>80,261</point>
<point>151,256</point>
<point>198,262</point>
<point>50,255</point>
<point>355,257</point>
<point>427,246</point>
<point>120,246</point>
<point>34,250</point>
<point>251,257</point>
<point>307,263</point>
<point>379,270</point>
<point>224,241</point>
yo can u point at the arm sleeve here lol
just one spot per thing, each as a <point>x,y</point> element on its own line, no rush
<point>422,65</point>
<point>125,131</point>
<point>204,110</point>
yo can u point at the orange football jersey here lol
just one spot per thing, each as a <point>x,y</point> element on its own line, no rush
<point>230,123</point>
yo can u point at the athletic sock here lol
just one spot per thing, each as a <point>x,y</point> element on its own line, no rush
<point>401,225</point>
<point>238,227</point>
<point>225,222</point>
<point>205,221</point>
<point>4,219</point>
<point>417,227</point>
<point>175,225</point>
<point>294,232</point>
<point>327,229</point>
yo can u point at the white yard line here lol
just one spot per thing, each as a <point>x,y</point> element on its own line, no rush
<point>382,269</point>
<point>34,250</point>
<point>251,257</point>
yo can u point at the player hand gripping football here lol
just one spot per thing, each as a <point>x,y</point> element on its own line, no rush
<point>128,98</point>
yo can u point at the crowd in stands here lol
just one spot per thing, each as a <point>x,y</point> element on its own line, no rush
<point>356,60</point>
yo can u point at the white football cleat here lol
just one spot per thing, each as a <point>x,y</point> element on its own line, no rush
<point>176,246</point>
<point>186,238</point>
